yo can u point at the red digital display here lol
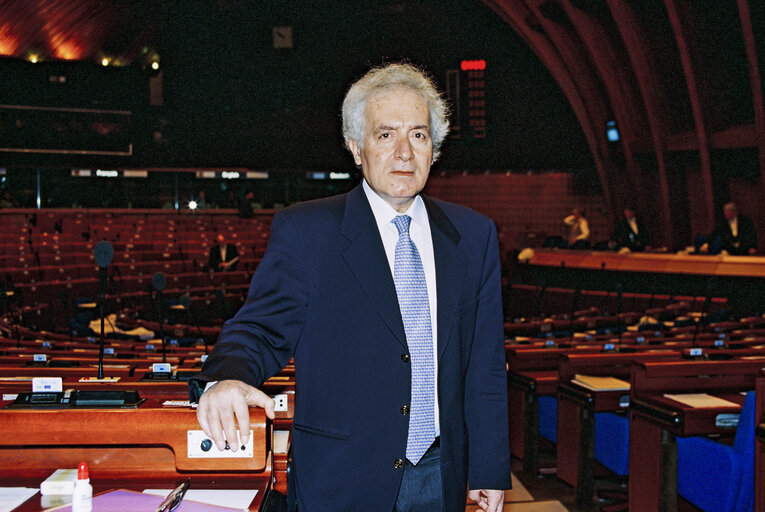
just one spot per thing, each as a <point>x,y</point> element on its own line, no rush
<point>473,65</point>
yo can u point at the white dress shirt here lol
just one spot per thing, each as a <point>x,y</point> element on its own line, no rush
<point>419,232</point>
<point>633,225</point>
<point>733,223</point>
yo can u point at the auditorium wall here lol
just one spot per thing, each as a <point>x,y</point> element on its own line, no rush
<point>525,202</point>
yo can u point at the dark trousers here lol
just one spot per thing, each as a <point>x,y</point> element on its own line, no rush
<point>421,489</point>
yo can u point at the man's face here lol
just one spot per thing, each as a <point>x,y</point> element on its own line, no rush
<point>397,151</point>
<point>730,213</point>
<point>221,240</point>
<point>629,214</point>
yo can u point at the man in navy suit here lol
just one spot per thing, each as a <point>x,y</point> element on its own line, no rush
<point>401,402</point>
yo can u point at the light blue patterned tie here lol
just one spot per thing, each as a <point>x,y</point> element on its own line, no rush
<point>412,291</point>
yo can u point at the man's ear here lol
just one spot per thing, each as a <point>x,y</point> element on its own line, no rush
<point>355,151</point>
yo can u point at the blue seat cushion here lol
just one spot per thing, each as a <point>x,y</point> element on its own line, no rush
<point>708,473</point>
<point>612,440</point>
<point>548,417</point>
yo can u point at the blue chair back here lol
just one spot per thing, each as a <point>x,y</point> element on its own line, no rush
<point>744,445</point>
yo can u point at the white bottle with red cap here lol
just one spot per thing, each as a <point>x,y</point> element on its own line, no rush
<point>82,498</point>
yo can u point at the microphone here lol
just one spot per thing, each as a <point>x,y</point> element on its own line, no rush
<point>65,300</point>
<point>117,290</point>
<point>619,319</point>
<point>4,302</point>
<point>185,301</point>
<point>158,281</point>
<point>103,254</point>
<point>711,288</point>
<point>574,308</point>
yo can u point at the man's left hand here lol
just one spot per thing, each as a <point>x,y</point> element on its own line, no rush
<point>490,500</point>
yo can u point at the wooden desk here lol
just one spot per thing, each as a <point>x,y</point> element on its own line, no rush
<point>759,447</point>
<point>577,407</point>
<point>740,279</point>
<point>133,448</point>
<point>524,389</point>
<point>655,420</point>
<point>748,266</point>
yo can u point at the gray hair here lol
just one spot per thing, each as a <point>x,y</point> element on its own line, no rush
<point>389,77</point>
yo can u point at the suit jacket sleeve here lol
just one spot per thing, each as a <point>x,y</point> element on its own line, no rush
<point>260,339</point>
<point>213,261</point>
<point>748,233</point>
<point>486,406</point>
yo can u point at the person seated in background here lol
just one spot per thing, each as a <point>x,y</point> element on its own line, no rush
<point>736,233</point>
<point>202,200</point>
<point>223,256</point>
<point>7,201</point>
<point>630,232</point>
<point>245,204</point>
<point>579,235</point>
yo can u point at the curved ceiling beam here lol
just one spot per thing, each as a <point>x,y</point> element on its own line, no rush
<point>648,84</point>
<point>555,24</point>
<point>616,78</point>
<point>756,84</point>
<point>515,13</point>
<point>698,116</point>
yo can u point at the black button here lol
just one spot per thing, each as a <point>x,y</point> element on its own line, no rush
<point>206,445</point>
<point>405,358</point>
<point>398,463</point>
<point>405,410</point>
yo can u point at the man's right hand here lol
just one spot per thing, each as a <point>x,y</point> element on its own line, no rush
<point>224,407</point>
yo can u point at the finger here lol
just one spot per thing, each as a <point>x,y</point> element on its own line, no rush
<point>229,427</point>
<point>257,398</point>
<point>216,432</point>
<point>202,411</point>
<point>242,414</point>
<point>495,501</point>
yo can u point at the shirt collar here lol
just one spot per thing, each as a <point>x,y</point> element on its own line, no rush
<point>384,213</point>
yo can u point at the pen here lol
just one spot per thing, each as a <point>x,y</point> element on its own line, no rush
<point>173,500</point>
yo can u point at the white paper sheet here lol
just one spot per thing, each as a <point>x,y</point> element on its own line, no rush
<point>12,497</point>
<point>701,400</point>
<point>234,498</point>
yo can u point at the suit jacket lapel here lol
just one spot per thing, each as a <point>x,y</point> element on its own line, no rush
<point>365,255</point>
<point>451,265</point>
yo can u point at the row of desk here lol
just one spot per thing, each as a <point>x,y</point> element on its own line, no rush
<point>149,444</point>
<point>655,421</point>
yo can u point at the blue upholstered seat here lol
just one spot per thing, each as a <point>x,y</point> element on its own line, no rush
<point>612,439</point>
<point>717,477</point>
<point>548,417</point>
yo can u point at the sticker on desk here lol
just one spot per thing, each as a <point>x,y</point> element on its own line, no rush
<point>178,403</point>
<point>96,379</point>
<point>701,400</point>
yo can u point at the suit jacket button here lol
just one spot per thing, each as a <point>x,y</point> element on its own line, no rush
<point>405,410</point>
<point>405,358</point>
<point>398,463</point>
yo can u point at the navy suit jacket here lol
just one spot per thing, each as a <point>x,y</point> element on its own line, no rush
<point>324,294</point>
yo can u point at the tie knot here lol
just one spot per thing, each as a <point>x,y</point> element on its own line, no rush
<point>402,223</point>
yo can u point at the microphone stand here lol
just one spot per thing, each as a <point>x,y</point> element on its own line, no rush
<point>101,299</point>
<point>574,307</point>
<point>65,300</point>
<point>4,302</point>
<point>619,319</point>
<point>103,255</point>
<point>711,287</point>
<point>186,301</point>
<point>159,284</point>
